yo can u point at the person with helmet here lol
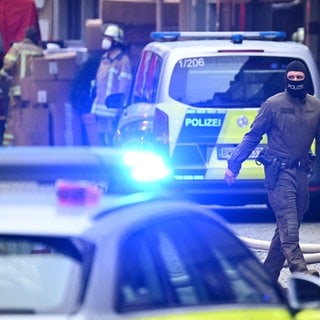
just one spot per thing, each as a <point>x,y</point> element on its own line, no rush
<point>113,76</point>
<point>16,67</point>
<point>291,121</point>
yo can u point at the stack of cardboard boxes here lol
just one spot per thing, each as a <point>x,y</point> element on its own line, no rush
<point>48,118</point>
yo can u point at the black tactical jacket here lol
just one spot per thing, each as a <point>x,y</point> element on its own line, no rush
<point>290,125</point>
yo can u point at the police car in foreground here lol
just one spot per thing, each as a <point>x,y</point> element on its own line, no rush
<point>75,252</point>
<point>194,96</point>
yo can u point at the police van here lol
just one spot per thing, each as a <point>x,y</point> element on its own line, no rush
<point>194,96</point>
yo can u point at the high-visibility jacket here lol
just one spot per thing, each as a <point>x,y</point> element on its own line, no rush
<point>113,76</point>
<point>16,64</point>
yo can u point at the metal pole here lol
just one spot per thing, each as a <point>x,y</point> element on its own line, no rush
<point>312,27</point>
<point>218,8</point>
<point>159,15</point>
<point>55,18</point>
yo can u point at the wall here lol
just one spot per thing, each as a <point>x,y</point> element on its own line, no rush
<point>138,19</point>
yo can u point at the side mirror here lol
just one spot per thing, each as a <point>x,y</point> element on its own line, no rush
<point>115,100</point>
<point>304,292</point>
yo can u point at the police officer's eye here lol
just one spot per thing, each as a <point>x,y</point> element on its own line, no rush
<point>299,77</point>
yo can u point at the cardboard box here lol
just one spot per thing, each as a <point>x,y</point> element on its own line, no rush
<point>55,66</point>
<point>93,34</point>
<point>50,91</point>
<point>28,137</point>
<point>65,124</point>
<point>45,91</point>
<point>25,85</point>
<point>33,127</point>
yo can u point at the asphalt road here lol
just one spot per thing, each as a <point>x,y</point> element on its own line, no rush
<point>252,223</point>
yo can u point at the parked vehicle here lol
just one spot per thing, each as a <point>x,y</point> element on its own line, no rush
<point>76,252</point>
<point>195,95</point>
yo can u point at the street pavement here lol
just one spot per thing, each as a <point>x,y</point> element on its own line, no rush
<point>309,234</point>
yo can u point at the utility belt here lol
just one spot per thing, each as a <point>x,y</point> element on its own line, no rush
<point>273,165</point>
<point>294,164</point>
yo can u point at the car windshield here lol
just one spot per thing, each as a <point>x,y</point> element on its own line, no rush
<point>228,81</point>
<point>39,276</point>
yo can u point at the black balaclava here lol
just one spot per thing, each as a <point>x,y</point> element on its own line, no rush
<point>297,89</point>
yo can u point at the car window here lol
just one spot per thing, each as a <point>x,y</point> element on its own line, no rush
<point>228,81</point>
<point>147,77</point>
<point>188,263</point>
<point>39,276</point>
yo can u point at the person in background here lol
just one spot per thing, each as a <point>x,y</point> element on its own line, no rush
<point>82,94</point>
<point>16,67</point>
<point>291,121</point>
<point>113,76</point>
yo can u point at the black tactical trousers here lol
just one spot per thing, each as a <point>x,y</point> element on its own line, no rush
<point>289,201</point>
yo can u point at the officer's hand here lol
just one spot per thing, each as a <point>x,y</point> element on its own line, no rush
<point>230,177</point>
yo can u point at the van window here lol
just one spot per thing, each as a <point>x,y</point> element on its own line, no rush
<point>147,77</point>
<point>228,81</point>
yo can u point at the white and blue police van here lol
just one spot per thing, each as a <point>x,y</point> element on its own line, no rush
<point>194,96</point>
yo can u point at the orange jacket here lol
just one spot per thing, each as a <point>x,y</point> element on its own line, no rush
<point>113,76</point>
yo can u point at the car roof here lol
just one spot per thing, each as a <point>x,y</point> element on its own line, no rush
<point>42,214</point>
<point>222,44</point>
<point>35,214</point>
<point>187,47</point>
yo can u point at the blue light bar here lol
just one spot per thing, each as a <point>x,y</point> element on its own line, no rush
<point>75,163</point>
<point>174,35</point>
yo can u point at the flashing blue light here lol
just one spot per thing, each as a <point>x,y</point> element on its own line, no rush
<point>165,35</point>
<point>281,35</point>
<point>237,38</point>
<point>146,166</point>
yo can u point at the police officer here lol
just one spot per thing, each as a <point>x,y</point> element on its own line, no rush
<point>291,120</point>
<point>113,76</point>
<point>16,67</point>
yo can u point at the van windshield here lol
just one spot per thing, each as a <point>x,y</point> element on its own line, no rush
<point>228,81</point>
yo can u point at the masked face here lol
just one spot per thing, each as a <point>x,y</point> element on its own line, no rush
<point>296,84</point>
<point>296,79</point>
<point>106,44</point>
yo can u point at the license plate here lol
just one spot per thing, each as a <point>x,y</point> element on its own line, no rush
<point>224,153</point>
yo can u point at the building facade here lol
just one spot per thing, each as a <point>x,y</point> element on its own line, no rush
<point>65,19</point>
